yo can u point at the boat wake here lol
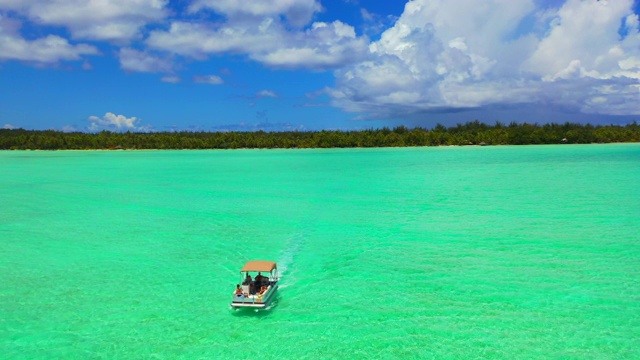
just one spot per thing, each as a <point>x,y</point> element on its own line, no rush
<point>291,249</point>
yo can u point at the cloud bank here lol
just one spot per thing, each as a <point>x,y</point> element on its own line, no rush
<point>438,56</point>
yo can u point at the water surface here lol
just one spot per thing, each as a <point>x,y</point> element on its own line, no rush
<point>456,252</point>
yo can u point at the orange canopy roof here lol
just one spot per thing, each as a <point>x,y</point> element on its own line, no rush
<point>259,265</point>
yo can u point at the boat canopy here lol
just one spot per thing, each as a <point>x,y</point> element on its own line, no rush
<point>259,265</point>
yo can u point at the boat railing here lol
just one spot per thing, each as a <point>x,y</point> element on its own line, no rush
<point>254,298</point>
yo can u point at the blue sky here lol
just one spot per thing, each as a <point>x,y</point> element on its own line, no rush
<point>221,65</point>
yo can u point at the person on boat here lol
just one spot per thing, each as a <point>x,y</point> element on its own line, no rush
<point>259,279</point>
<point>238,291</point>
<point>247,280</point>
<point>263,289</point>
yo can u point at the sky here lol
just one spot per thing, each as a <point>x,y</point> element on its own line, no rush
<point>308,65</point>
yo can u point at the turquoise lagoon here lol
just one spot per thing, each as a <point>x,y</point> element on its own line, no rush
<point>450,252</point>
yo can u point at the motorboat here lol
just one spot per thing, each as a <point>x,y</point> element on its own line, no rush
<point>258,284</point>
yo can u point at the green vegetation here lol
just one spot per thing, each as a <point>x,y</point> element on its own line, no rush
<point>471,133</point>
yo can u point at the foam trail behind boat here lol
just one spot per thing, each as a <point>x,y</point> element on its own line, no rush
<point>291,249</point>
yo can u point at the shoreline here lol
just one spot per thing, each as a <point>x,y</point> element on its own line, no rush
<point>318,148</point>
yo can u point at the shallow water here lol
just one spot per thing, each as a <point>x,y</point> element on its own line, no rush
<point>457,252</point>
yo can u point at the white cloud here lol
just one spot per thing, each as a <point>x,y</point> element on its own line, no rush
<point>366,15</point>
<point>373,24</point>
<point>9,127</point>
<point>266,93</point>
<point>437,57</point>
<point>111,121</point>
<point>142,61</point>
<point>49,49</point>
<point>324,45</point>
<point>257,29</point>
<point>117,20</point>
<point>199,40</point>
<point>584,41</point>
<point>208,79</point>
<point>297,12</point>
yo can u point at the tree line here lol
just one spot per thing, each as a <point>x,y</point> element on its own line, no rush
<point>470,133</point>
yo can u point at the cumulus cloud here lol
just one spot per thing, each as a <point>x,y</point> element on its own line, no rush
<point>48,49</point>
<point>9,127</point>
<point>116,20</point>
<point>208,79</point>
<point>437,58</point>
<point>199,40</point>
<point>142,61</point>
<point>111,121</point>
<point>583,41</point>
<point>323,45</point>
